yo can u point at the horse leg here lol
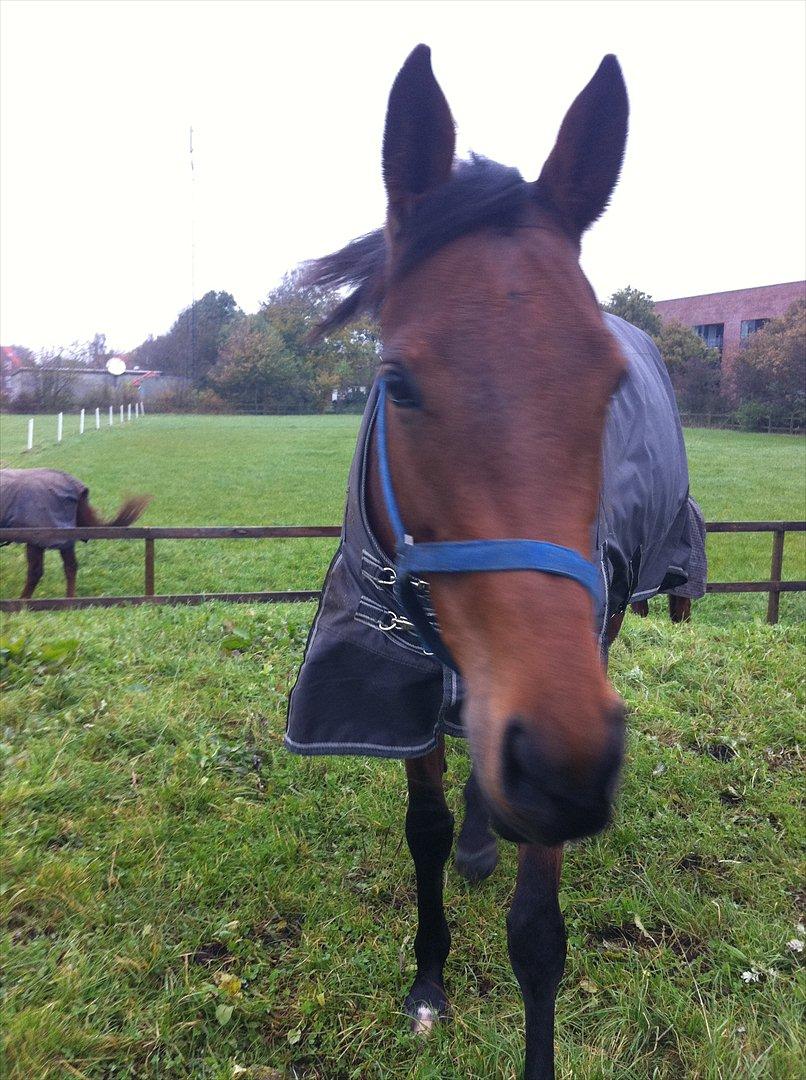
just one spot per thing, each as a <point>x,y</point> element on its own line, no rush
<point>477,846</point>
<point>36,567</point>
<point>429,833</point>
<point>70,567</point>
<point>679,608</point>
<point>536,937</point>
<point>641,608</point>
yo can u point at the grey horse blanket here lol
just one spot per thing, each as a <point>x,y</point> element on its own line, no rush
<point>39,499</point>
<point>367,685</point>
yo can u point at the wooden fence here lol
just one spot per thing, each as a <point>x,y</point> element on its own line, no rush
<point>150,534</point>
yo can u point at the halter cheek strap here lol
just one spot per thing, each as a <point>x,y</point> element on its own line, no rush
<point>464,556</point>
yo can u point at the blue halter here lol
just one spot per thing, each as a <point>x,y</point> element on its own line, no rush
<point>462,556</point>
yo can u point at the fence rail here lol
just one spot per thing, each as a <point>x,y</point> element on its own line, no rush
<point>774,586</point>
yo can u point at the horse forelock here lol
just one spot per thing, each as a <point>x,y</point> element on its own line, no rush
<point>480,193</point>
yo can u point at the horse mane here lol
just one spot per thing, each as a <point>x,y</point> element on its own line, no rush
<point>480,193</point>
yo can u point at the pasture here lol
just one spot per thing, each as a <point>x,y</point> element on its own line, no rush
<point>258,470</point>
<point>184,899</point>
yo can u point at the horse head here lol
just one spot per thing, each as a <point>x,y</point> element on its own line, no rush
<point>498,371</point>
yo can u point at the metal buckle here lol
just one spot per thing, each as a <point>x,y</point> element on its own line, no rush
<point>395,622</point>
<point>390,576</point>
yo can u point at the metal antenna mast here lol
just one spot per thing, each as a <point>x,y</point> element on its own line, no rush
<point>191,373</point>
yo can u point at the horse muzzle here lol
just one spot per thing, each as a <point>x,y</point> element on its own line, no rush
<point>547,800</point>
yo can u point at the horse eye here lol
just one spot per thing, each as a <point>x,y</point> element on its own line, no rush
<point>401,388</point>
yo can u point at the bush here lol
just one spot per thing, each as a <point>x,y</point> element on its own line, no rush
<point>186,399</point>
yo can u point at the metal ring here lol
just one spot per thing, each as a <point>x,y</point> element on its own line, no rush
<point>391,577</point>
<point>395,622</point>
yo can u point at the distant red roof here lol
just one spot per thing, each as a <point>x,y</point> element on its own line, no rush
<point>9,357</point>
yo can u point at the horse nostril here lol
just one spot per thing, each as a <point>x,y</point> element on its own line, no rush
<point>523,765</point>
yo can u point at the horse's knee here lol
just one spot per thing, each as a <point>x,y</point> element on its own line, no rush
<point>537,943</point>
<point>429,830</point>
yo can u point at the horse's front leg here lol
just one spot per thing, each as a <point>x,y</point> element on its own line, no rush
<point>536,936</point>
<point>429,832</point>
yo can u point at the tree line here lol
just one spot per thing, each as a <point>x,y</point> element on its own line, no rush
<point>229,360</point>
<point>764,385</point>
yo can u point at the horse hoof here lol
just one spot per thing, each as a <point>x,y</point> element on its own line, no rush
<point>424,1019</point>
<point>425,1014</point>
<point>475,866</point>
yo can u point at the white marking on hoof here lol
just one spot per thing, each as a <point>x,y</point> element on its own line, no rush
<point>424,1020</point>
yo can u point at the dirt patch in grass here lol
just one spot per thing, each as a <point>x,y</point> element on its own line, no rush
<point>279,930</point>
<point>213,952</point>
<point>630,936</point>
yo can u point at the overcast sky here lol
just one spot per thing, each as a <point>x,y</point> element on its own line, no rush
<point>287,102</point>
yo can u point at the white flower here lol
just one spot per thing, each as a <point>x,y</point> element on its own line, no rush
<point>751,976</point>
<point>796,945</point>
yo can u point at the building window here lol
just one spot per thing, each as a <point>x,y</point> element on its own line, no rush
<point>752,326</point>
<point>712,334</point>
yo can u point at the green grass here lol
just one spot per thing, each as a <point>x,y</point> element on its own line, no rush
<point>243,470</point>
<point>158,838</point>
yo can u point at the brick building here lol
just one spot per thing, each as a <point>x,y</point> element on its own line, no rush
<point>724,320</point>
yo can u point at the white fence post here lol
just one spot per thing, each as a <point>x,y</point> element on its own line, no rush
<point>97,419</point>
<point>121,414</point>
<point>136,409</point>
<point>129,411</point>
<point>30,445</point>
<point>110,416</point>
<point>142,408</point>
<point>59,426</point>
<point>81,423</point>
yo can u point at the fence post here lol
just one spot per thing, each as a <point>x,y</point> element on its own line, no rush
<point>110,416</point>
<point>81,423</point>
<point>121,414</point>
<point>142,408</point>
<point>149,589</point>
<point>59,426</point>
<point>97,419</point>
<point>775,575</point>
<point>130,411</point>
<point>30,445</point>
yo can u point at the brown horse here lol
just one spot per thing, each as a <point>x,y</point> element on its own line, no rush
<point>498,370</point>
<point>48,498</point>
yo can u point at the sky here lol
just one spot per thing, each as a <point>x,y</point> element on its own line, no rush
<point>105,229</point>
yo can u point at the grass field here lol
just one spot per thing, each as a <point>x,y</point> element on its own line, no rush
<point>184,899</point>
<point>243,470</point>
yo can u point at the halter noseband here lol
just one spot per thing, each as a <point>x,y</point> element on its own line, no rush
<point>463,556</point>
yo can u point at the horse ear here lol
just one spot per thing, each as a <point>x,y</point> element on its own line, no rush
<point>582,169</point>
<point>419,137</point>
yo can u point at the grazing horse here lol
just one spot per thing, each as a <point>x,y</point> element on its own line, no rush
<point>520,475</point>
<point>50,499</point>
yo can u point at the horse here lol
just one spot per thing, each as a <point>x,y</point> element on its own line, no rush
<point>679,608</point>
<point>51,499</point>
<point>519,477</point>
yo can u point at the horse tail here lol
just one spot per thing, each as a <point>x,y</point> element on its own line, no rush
<point>88,518</point>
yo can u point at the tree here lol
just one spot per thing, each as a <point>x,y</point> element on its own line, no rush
<point>260,369</point>
<point>695,370</point>
<point>97,352</point>
<point>268,362</point>
<point>770,371</point>
<point>191,347</point>
<point>636,307</point>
